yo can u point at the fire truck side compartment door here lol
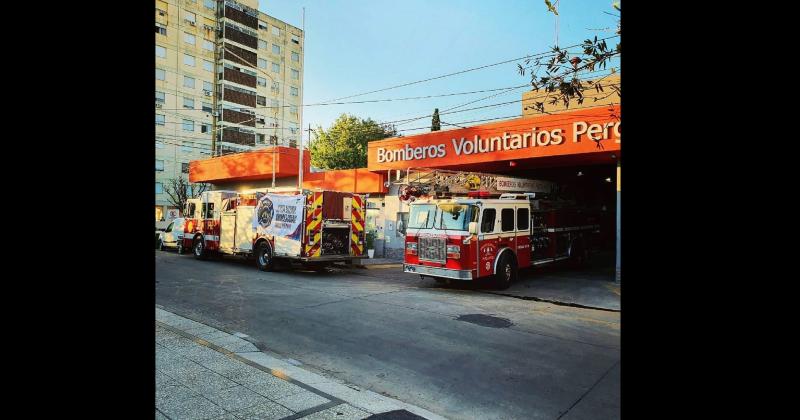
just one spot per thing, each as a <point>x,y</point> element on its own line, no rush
<point>227,230</point>
<point>244,227</point>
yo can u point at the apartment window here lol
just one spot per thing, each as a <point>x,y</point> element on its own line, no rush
<point>262,24</point>
<point>262,63</point>
<point>275,103</point>
<point>189,38</point>
<point>261,100</point>
<point>184,167</point>
<point>276,87</point>
<point>210,4</point>
<point>160,29</point>
<point>293,109</point>
<point>159,188</point>
<point>188,125</point>
<point>207,107</point>
<point>208,45</point>
<point>261,81</point>
<point>188,103</point>
<point>191,18</point>
<point>295,91</point>
<point>188,60</point>
<point>159,165</point>
<point>161,52</point>
<point>276,49</point>
<point>295,74</point>
<point>208,66</point>
<point>295,56</point>
<point>205,128</point>
<point>159,144</point>
<point>160,119</point>
<point>160,74</point>
<point>186,147</point>
<point>188,82</point>
<point>296,39</point>
<point>207,86</point>
<point>262,45</point>
<point>160,97</point>
<point>276,31</point>
<point>276,68</point>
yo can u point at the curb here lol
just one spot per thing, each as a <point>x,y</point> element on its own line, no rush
<point>245,349</point>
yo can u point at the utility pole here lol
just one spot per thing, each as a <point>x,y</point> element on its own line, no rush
<point>618,276</point>
<point>300,166</point>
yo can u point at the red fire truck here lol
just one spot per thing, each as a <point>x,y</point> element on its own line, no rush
<point>480,236</point>
<point>316,228</point>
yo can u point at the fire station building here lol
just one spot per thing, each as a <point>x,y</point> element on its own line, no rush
<point>574,154</point>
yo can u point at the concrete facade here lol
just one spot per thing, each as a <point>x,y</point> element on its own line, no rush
<point>205,93</point>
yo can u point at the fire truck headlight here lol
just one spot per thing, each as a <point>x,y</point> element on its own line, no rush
<point>454,251</point>
<point>411,248</point>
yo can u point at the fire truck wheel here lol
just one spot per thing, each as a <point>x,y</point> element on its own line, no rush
<point>199,249</point>
<point>264,256</point>
<point>506,272</point>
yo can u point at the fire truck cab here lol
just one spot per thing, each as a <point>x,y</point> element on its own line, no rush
<point>481,236</point>
<point>320,227</point>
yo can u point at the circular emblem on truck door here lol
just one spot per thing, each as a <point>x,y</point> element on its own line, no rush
<point>265,212</point>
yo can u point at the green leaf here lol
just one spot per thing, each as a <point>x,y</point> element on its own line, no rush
<point>550,7</point>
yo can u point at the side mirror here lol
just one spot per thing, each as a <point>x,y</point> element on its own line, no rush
<point>473,228</point>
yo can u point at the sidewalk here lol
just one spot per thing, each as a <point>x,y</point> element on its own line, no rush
<point>592,286</point>
<point>205,373</point>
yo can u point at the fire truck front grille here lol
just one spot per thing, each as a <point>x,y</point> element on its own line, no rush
<point>432,249</point>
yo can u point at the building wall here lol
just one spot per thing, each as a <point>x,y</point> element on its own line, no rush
<point>177,144</point>
<point>261,183</point>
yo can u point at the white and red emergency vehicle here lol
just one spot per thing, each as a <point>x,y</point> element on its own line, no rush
<point>481,236</point>
<point>316,228</point>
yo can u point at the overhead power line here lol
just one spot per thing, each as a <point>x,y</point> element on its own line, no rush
<point>459,72</point>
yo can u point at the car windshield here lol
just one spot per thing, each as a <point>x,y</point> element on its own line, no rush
<point>455,216</point>
<point>421,216</point>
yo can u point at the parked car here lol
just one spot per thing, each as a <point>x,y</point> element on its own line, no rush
<point>172,236</point>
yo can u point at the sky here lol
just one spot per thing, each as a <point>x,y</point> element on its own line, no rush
<point>356,46</point>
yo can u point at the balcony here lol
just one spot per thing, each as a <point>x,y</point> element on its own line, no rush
<point>238,117</point>
<point>239,97</point>
<point>241,17</point>
<point>232,135</point>
<point>237,36</point>
<point>239,77</point>
<point>249,57</point>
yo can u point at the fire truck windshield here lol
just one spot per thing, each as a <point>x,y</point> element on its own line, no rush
<point>421,216</point>
<point>455,216</point>
<point>442,216</point>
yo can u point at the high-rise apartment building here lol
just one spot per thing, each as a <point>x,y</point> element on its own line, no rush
<point>228,79</point>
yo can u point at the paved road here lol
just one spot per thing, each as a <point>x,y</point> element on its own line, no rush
<point>401,336</point>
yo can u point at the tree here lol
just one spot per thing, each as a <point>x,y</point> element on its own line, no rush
<point>344,144</point>
<point>435,123</point>
<point>178,191</point>
<point>562,80</point>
